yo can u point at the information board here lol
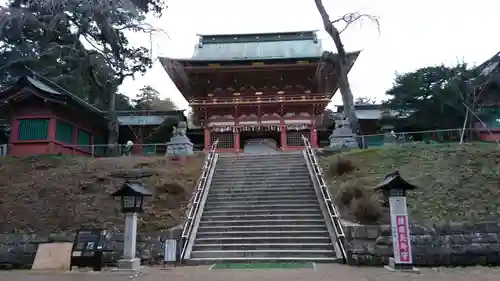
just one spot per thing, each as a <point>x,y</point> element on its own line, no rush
<point>87,248</point>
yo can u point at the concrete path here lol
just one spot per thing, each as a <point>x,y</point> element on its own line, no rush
<point>323,272</point>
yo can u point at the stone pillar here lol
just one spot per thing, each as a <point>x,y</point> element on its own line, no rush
<point>206,137</point>
<point>129,261</point>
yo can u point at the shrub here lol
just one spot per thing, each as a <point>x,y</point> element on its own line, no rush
<point>339,166</point>
<point>349,191</point>
<point>366,209</point>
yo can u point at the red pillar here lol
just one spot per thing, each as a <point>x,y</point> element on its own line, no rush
<point>283,134</point>
<point>74,139</point>
<point>136,149</point>
<point>51,133</point>
<point>14,132</point>
<point>314,135</point>
<point>237,141</point>
<point>206,138</point>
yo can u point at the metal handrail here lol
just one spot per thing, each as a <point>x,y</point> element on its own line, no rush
<point>327,198</point>
<point>201,188</point>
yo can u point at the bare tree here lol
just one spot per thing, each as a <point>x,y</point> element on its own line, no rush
<point>339,63</point>
<point>365,100</point>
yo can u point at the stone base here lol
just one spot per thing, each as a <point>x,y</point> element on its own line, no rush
<point>180,160</point>
<point>393,266</point>
<point>343,142</point>
<point>129,265</point>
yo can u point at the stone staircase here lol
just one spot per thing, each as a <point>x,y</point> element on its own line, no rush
<point>262,208</point>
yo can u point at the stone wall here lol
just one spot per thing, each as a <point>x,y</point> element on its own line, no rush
<point>457,244</point>
<point>18,250</point>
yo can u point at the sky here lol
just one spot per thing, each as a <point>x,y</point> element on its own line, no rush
<point>413,34</point>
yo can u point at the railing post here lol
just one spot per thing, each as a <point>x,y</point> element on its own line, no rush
<point>196,199</point>
<point>327,199</point>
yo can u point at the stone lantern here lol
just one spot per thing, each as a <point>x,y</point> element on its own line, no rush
<point>131,195</point>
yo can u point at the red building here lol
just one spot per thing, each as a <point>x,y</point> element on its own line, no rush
<point>254,86</point>
<point>43,120</point>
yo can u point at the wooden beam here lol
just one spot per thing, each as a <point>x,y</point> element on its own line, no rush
<point>240,68</point>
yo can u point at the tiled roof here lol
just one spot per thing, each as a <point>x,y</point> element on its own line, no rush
<point>263,46</point>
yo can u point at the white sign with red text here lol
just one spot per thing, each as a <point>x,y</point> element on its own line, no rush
<point>401,239</point>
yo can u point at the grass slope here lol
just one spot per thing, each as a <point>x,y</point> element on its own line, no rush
<point>54,193</point>
<point>456,182</point>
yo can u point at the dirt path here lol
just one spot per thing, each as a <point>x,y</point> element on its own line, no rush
<point>323,272</point>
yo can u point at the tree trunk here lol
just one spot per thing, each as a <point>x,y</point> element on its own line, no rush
<point>348,99</point>
<point>342,68</point>
<point>112,126</point>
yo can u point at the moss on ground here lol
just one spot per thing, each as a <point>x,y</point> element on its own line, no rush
<point>456,182</point>
<point>54,193</point>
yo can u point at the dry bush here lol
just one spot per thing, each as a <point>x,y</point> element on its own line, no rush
<point>366,209</point>
<point>350,190</point>
<point>339,166</point>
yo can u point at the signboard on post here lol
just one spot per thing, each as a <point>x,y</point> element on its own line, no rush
<point>394,188</point>
<point>401,240</point>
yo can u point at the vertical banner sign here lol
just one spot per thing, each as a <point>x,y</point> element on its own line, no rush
<point>401,239</point>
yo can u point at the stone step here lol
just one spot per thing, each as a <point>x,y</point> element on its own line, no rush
<point>285,259</point>
<point>260,201</point>
<point>262,227</point>
<point>266,192</point>
<point>276,207</point>
<point>263,246</point>
<point>262,156</point>
<point>271,240</point>
<point>242,166</point>
<point>263,253</point>
<point>261,222</point>
<point>258,181</point>
<point>226,188</point>
<point>262,161</point>
<point>265,212</point>
<point>260,197</point>
<point>261,177</point>
<point>266,153</point>
<point>283,216</point>
<point>265,233</point>
<point>252,188</point>
<point>252,168</point>
<point>263,173</point>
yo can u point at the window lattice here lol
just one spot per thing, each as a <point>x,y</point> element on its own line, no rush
<point>226,139</point>
<point>64,132</point>
<point>33,129</point>
<point>294,138</point>
<point>83,140</point>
